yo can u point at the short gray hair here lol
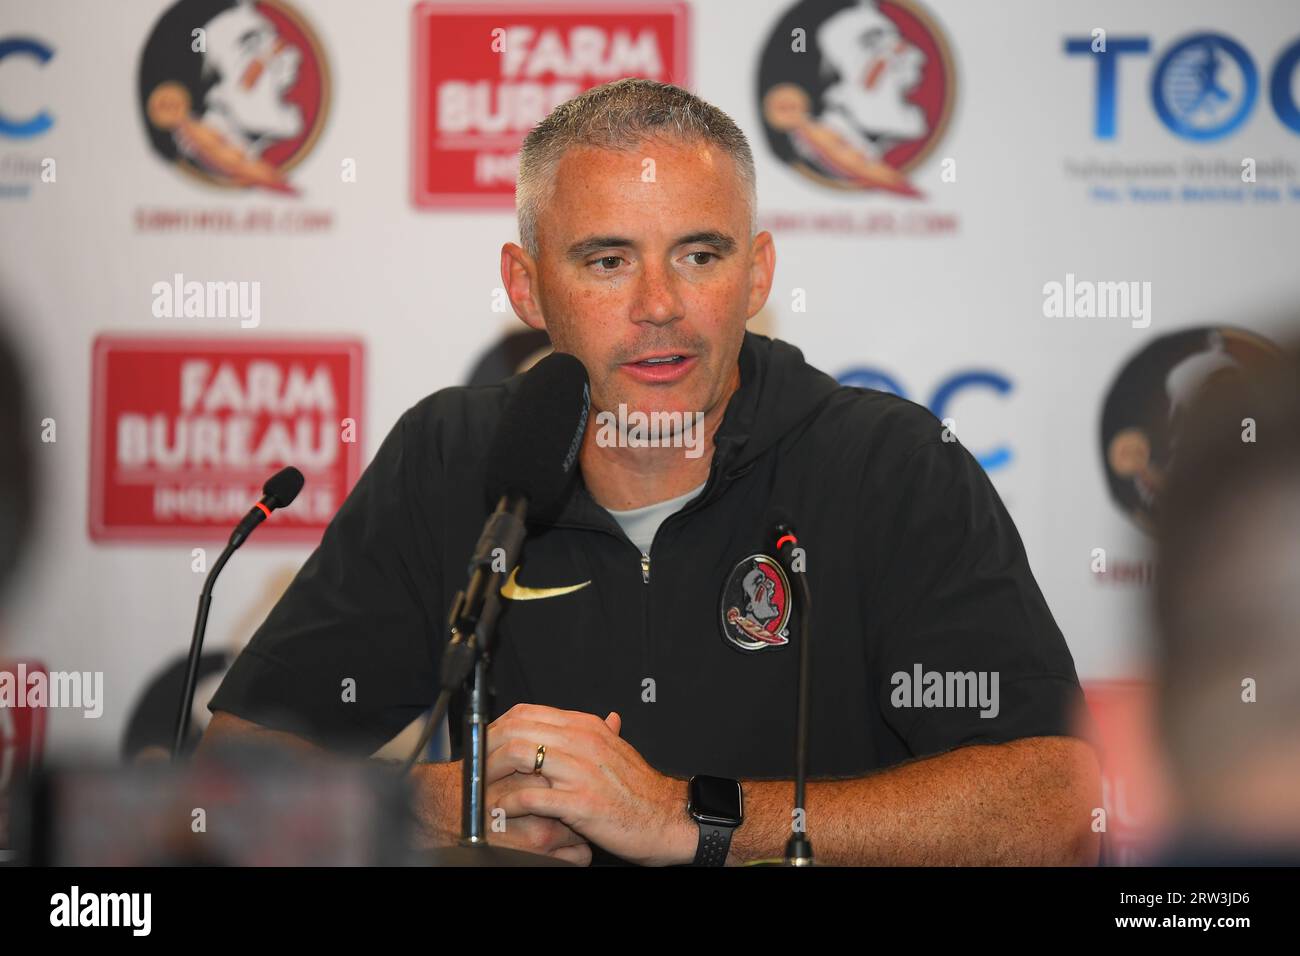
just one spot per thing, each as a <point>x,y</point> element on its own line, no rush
<point>619,116</point>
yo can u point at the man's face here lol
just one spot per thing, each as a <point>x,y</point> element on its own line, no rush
<point>761,591</point>
<point>647,273</point>
<point>257,69</point>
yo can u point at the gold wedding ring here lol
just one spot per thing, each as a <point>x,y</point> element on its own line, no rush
<point>540,758</point>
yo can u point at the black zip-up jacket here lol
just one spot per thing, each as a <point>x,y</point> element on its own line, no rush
<point>914,565</point>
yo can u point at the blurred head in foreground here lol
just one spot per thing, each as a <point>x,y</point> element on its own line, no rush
<point>17,431</point>
<point>1228,609</point>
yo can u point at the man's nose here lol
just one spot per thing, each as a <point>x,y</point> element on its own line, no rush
<point>657,299</point>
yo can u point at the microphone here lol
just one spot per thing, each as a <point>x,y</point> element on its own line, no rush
<point>278,492</point>
<point>534,453</point>
<point>798,850</point>
<point>532,464</point>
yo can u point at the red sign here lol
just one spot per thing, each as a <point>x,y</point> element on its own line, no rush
<point>186,430</point>
<point>22,727</point>
<point>1134,787</point>
<point>485,74</point>
<point>22,736</point>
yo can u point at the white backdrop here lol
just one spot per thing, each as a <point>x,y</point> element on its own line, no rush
<point>417,285</point>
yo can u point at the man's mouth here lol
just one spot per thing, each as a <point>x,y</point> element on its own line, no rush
<point>664,367</point>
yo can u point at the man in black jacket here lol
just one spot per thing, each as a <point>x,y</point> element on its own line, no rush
<point>649,645</point>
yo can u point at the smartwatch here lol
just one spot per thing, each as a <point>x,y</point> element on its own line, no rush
<point>716,804</point>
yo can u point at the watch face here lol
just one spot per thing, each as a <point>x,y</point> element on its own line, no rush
<point>716,800</point>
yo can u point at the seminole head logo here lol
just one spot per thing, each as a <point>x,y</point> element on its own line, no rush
<point>1146,408</point>
<point>854,95</point>
<point>756,604</point>
<point>234,91</point>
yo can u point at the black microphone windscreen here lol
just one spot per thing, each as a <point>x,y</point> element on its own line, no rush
<point>284,486</point>
<point>534,452</point>
<point>779,522</point>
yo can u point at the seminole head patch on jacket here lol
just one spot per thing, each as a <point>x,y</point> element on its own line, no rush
<point>756,604</point>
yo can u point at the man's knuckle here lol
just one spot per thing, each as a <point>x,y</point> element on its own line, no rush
<point>581,854</point>
<point>557,834</point>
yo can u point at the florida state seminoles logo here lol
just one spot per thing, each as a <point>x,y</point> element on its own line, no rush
<point>855,93</point>
<point>234,91</point>
<point>1146,408</point>
<point>756,604</point>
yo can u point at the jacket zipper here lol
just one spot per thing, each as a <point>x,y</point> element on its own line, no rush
<point>645,621</point>
<point>646,641</point>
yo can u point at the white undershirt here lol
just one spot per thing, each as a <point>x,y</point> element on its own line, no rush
<point>640,524</point>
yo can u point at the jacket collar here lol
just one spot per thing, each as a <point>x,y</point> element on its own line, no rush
<point>777,390</point>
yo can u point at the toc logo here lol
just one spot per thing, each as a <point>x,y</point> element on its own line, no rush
<point>940,402</point>
<point>1203,88</point>
<point>40,121</point>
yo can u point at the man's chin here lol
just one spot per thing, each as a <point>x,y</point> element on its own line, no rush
<point>657,402</point>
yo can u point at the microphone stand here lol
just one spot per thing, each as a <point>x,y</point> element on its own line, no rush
<point>462,655</point>
<point>278,492</point>
<point>196,648</point>
<point>472,624</point>
<point>798,850</point>
<point>478,712</point>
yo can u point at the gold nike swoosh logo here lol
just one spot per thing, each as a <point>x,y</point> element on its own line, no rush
<point>514,591</point>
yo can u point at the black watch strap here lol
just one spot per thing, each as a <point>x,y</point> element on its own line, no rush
<point>715,843</point>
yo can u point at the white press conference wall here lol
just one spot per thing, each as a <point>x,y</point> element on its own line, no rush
<point>934,275</point>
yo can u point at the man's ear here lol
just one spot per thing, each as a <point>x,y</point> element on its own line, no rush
<point>762,265</point>
<point>519,276</point>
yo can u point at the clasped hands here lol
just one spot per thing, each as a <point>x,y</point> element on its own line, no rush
<point>593,788</point>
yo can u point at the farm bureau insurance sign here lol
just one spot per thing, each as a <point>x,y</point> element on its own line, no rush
<point>486,74</point>
<point>186,430</point>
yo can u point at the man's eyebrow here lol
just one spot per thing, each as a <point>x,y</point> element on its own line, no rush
<point>592,244</point>
<point>585,247</point>
<point>718,240</point>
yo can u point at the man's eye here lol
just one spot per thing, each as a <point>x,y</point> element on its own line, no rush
<point>711,256</point>
<point>607,263</point>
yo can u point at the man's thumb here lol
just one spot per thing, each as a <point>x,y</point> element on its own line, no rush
<point>614,721</point>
